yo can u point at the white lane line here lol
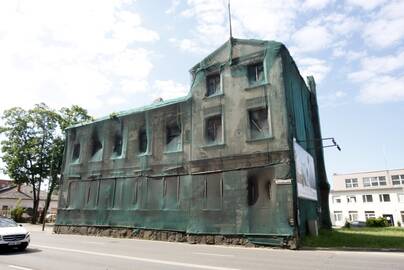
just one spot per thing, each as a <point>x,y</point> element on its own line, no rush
<point>191,265</point>
<point>212,254</point>
<point>19,267</point>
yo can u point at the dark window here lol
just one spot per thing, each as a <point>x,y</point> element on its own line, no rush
<point>384,197</point>
<point>259,126</point>
<point>117,150</point>
<point>212,84</point>
<point>96,147</point>
<point>367,198</point>
<point>256,73</point>
<point>173,137</point>
<point>252,189</point>
<point>142,141</point>
<point>214,129</point>
<point>76,152</point>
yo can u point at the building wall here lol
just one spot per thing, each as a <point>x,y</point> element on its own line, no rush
<point>230,187</point>
<point>339,190</point>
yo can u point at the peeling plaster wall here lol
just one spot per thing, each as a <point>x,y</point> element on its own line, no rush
<point>228,188</point>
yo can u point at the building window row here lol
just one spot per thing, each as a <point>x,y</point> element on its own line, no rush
<point>351,183</point>
<point>374,181</point>
<point>255,76</point>
<point>397,179</point>
<point>366,198</point>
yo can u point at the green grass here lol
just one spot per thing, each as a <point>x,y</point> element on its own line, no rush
<point>358,238</point>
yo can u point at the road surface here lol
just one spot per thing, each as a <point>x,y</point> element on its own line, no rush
<point>72,252</point>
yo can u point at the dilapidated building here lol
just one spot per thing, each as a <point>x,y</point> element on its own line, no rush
<point>221,161</point>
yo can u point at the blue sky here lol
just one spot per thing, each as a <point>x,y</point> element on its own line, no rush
<point>115,55</point>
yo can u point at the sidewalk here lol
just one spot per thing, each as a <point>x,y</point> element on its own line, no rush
<point>37,227</point>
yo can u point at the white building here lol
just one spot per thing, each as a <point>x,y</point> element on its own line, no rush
<point>359,196</point>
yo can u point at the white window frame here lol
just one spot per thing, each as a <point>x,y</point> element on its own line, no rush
<point>338,216</point>
<point>351,183</point>
<point>353,216</point>
<point>381,197</point>
<point>351,199</point>
<point>365,198</point>
<point>398,181</point>
<point>369,214</point>
<point>335,198</point>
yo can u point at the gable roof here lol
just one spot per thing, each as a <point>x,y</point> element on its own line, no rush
<point>25,193</point>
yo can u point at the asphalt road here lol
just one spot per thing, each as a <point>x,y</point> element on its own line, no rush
<point>71,252</point>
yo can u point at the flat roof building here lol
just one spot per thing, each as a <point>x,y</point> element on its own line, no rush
<point>227,159</point>
<point>355,197</point>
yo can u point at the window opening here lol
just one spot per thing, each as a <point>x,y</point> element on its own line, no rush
<point>212,84</point>
<point>258,121</point>
<point>173,137</point>
<point>142,141</point>
<point>76,152</point>
<point>214,129</point>
<point>256,73</point>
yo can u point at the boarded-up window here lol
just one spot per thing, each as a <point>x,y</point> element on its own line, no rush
<point>212,84</point>
<point>173,136</point>
<point>213,129</point>
<point>142,141</point>
<point>214,191</point>
<point>76,195</point>
<point>154,193</point>
<point>258,122</point>
<point>92,193</point>
<point>106,195</point>
<point>171,189</point>
<point>256,73</point>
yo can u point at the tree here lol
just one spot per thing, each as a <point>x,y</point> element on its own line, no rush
<point>34,145</point>
<point>66,117</point>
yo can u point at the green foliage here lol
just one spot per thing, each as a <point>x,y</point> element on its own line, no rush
<point>34,144</point>
<point>398,223</point>
<point>347,224</point>
<point>17,212</point>
<point>377,222</point>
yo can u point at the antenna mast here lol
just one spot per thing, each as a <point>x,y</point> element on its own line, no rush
<point>228,6</point>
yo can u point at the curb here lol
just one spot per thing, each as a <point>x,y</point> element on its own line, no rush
<point>353,249</point>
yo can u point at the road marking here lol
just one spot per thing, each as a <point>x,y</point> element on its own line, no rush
<point>191,265</point>
<point>19,267</point>
<point>212,254</point>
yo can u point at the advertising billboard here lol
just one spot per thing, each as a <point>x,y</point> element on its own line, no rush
<point>305,173</point>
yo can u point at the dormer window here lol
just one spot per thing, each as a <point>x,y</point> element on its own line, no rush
<point>213,84</point>
<point>256,73</point>
<point>142,141</point>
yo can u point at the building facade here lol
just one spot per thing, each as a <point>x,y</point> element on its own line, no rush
<point>14,195</point>
<point>358,196</point>
<point>219,161</point>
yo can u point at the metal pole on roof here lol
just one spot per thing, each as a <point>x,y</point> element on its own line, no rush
<point>228,6</point>
<point>231,34</point>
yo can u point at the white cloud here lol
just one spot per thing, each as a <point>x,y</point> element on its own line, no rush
<point>372,66</point>
<point>312,38</point>
<point>333,99</point>
<point>366,4</point>
<point>70,52</point>
<point>189,45</point>
<point>386,27</point>
<point>383,89</point>
<point>316,4</point>
<point>313,67</point>
<point>169,89</point>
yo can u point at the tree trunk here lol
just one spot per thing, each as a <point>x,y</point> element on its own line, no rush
<point>52,186</point>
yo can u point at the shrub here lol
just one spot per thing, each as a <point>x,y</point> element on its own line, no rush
<point>347,224</point>
<point>377,222</point>
<point>398,223</point>
<point>16,213</point>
